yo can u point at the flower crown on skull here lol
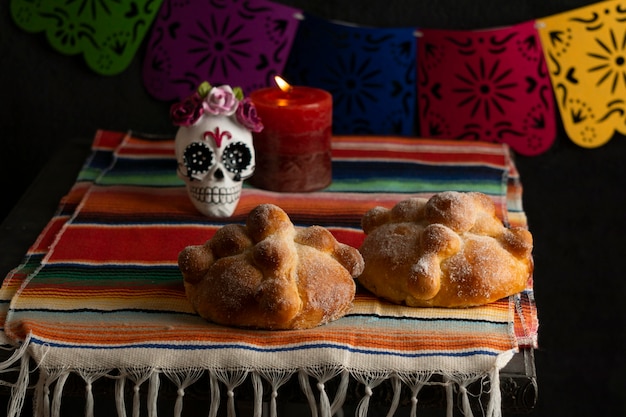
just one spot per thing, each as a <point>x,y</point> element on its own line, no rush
<point>216,101</point>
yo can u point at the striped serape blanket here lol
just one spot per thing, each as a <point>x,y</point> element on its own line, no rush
<point>99,294</point>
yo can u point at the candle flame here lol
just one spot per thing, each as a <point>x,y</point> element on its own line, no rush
<point>282,84</point>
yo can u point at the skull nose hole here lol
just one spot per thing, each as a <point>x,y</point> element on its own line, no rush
<point>218,174</point>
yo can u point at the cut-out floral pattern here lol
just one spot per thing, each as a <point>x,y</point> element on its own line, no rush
<point>585,51</point>
<point>370,73</point>
<point>489,85</point>
<point>107,32</point>
<point>236,42</point>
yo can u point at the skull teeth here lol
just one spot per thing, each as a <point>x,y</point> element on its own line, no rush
<point>216,195</point>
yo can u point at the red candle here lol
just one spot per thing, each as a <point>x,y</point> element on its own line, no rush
<point>293,152</point>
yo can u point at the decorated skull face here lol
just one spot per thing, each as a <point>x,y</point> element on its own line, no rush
<point>214,149</point>
<point>214,157</point>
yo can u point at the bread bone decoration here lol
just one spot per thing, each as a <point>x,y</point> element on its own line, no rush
<point>449,251</point>
<point>269,274</point>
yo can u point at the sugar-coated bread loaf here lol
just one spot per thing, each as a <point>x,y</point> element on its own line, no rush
<point>270,274</point>
<point>449,251</point>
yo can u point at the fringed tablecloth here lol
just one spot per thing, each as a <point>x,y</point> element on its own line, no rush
<point>100,294</point>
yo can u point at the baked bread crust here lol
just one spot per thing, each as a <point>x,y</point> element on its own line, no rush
<point>449,251</point>
<point>269,274</point>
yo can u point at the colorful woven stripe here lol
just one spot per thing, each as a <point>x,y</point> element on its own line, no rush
<point>100,289</point>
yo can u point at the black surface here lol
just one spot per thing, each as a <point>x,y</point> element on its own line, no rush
<point>574,197</point>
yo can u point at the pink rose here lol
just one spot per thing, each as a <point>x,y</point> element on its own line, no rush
<point>248,117</point>
<point>188,111</point>
<point>220,100</point>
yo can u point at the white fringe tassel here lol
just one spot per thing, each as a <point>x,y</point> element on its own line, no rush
<point>342,391</point>
<point>323,374</point>
<point>215,395</point>
<point>231,380</point>
<point>138,377</point>
<point>396,383</point>
<point>415,382</point>
<point>120,403</point>
<point>18,391</point>
<point>461,382</point>
<point>182,380</point>
<point>90,376</point>
<point>49,388</point>
<point>276,378</point>
<point>153,394</point>
<point>494,407</point>
<point>303,378</point>
<point>449,386</point>
<point>370,381</point>
<point>58,394</point>
<point>41,400</point>
<point>257,386</point>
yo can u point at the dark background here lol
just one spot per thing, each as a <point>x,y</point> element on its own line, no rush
<point>574,197</point>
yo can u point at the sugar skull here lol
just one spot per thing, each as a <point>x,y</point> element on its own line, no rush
<point>214,149</point>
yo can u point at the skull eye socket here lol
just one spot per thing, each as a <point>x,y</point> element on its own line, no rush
<point>198,158</point>
<point>237,157</point>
